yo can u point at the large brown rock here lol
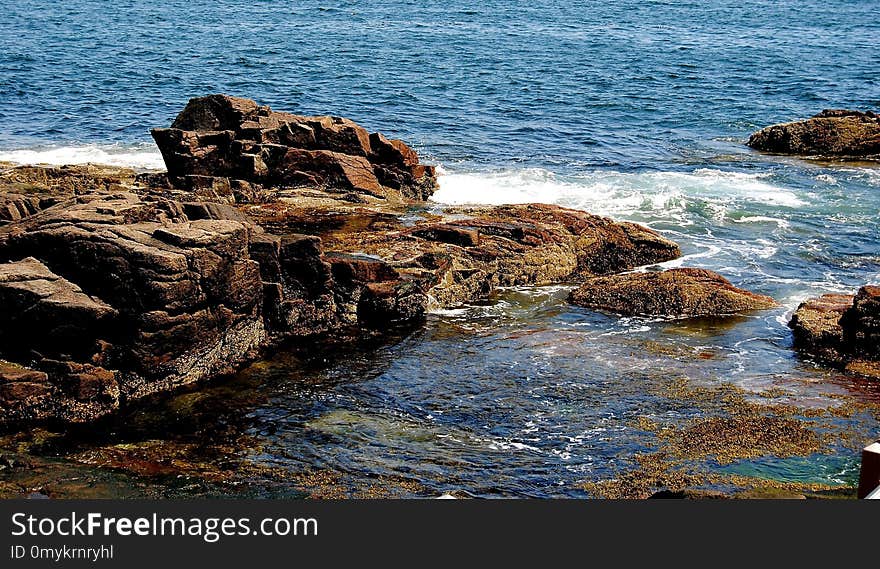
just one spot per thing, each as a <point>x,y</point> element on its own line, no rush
<point>116,282</point>
<point>841,329</point>
<point>230,138</point>
<point>48,314</point>
<point>464,257</point>
<point>829,133</point>
<point>675,292</point>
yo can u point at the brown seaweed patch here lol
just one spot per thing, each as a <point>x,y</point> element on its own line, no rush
<point>744,436</point>
<point>655,471</point>
<point>735,424</point>
<point>331,485</point>
<point>658,473</point>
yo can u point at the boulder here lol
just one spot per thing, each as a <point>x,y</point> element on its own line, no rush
<point>682,292</point>
<point>842,330</point>
<point>236,140</point>
<point>114,294</point>
<point>832,133</point>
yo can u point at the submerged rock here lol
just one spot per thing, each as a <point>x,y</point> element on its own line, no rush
<point>220,140</point>
<point>841,329</point>
<point>675,292</point>
<point>829,133</point>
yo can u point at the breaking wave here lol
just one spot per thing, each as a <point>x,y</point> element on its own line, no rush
<point>617,193</point>
<point>142,156</point>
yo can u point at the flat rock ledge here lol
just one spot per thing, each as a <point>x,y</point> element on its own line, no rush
<point>842,330</point>
<point>117,285</point>
<point>678,293</point>
<point>831,133</point>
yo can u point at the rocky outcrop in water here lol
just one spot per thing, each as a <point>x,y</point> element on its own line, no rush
<point>111,296</point>
<point>675,292</point>
<point>267,227</point>
<point>841,329</point>
<point>231,144</point>
<point>831,133</point>
<point>114,282</point>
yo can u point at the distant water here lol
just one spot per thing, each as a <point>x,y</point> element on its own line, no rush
<point>634,109</point>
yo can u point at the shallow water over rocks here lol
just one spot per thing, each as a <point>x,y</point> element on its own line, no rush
<point>523,397</point>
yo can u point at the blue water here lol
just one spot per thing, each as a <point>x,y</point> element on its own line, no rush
<point>634,109</point>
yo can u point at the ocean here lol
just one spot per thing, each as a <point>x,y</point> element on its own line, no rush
<point>638,110</point>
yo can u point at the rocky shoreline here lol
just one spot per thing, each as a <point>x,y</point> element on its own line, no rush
<point>270,227</point>
<point>267,227</point>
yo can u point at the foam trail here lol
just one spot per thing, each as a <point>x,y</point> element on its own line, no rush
<point>141,156</point>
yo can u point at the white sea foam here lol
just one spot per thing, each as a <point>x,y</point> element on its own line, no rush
<point>141,156</point>
<point>616,193</point>
<point>709,251</point>
<point>872,175</point>
<point>762,219</point>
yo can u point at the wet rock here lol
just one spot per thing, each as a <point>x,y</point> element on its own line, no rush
<point>46,313</point>
<point>449,233</point>
<point>843,330</point>
<point>463,259</point>
<point>115,296</point>
<point>348,269</point>
<point>232,139</point>
<point>116,286</point>
<point>816,325</point>
<point>675,292</point>
<point>829,133</point>
<point>20,386</point>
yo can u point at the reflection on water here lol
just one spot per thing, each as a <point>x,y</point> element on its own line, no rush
<point>525,397</point>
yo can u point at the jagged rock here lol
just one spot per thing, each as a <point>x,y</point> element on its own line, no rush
<point>674,292</point>
<point>63,181</point>
<point>841,329</point>
<point>463,260</point>
<point>128,285</point>
<point>14,207</point>
<point>829,133</point>
<point>116,285</point>
<point>233,139</point>
<point>816,324</point>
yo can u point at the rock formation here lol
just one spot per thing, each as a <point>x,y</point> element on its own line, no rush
<point>841,329</point>
<point>675,292</point>
<point>267,227</point>
<point>831,133</point>
<point>233,143</point>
